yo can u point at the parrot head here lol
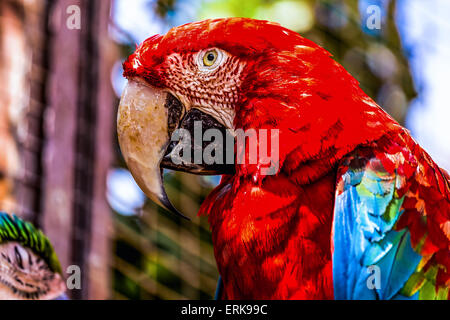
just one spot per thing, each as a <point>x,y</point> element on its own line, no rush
<point>29,267</point>
<point>231,74</point>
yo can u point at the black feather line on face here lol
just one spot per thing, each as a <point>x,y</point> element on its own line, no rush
<point>14,229</point>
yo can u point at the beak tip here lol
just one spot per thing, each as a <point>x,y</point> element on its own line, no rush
<point>170,207</point>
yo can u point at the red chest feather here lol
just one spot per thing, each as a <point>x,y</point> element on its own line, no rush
<point>273,241</point>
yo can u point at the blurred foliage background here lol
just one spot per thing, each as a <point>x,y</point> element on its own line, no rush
<point>62,169</point>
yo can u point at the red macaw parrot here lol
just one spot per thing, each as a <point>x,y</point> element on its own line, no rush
<point>356,208</point>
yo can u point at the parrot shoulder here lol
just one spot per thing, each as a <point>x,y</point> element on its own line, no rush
<point>391,223</point>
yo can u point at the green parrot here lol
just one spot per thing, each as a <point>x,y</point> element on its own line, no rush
<point>29,267</point>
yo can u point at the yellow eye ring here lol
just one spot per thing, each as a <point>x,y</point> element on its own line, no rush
<point>210,57</point>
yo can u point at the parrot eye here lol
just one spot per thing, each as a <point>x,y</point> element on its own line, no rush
<point>209,58</point>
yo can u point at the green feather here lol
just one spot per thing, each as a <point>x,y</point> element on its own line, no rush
<point>15,229</point>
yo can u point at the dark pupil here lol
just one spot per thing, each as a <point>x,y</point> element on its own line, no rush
<point>210,57</point>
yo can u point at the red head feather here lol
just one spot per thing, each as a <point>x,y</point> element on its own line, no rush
<point>288,82</point>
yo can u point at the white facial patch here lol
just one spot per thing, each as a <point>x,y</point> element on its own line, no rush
<point>213,89</point>
<point>24,275</point>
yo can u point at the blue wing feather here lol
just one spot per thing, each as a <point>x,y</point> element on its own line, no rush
<point>366,210</point>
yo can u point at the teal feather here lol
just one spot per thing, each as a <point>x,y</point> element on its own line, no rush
<point>14,229</point>
<point>397,266</point>
<point>366,210</point>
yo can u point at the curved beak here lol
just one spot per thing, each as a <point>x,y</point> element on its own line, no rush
<point>142,128</point>
<point>146,120</point>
